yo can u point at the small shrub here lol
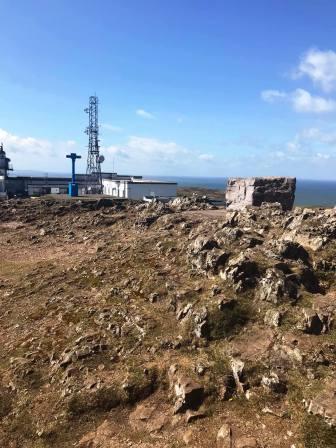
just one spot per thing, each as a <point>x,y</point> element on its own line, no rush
<point>102,399</point>
<point>224,323</point>
<point>141,384</point>
<point>317,434</point>
<point>5,403</point>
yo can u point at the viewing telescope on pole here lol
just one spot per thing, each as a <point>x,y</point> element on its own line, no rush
<point>73,186</point>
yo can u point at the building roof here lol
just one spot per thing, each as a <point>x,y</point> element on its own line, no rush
<point>133,180</point>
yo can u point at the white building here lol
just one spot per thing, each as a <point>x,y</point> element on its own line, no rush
<point>134,187</point>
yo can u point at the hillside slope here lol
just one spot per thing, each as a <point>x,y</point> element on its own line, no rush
<point>129,325</point>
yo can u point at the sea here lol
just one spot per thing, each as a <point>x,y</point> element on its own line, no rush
<point>316,193</point>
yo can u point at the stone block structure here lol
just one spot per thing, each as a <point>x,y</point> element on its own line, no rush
<point>253,191</point>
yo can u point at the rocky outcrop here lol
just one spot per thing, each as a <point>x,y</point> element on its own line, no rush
<point>236,302</point>
<point>324,404</point>
<point>254,191</point>
<point>320,318</point>
<point>241,271</point>
<point>276,287</point>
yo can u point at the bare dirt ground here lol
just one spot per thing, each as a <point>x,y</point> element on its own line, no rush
<point>128,325</point>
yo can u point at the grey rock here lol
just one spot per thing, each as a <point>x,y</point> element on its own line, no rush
<point>272,318</point>
<point>292,250</point>
<point>241,271</point>
<point>246,442</point>
<point>191,416</point>
<point>184,311</point>
<point>203,243</point>
<point>276,287</point>
<point>189,394</point>
<point>237,367</point>
<point>324,404</point>
<point>254,191</point>
<point>274,383</point>
<point>224,437</point>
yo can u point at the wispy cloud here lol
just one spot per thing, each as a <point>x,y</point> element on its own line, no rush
<point>301,100</point>
<point>144,114</point>
<point>206,157</point>
<point>308,145</point>
<point>149,148</point>
<point>111,127</point>
<point>271,96</point>
<point>319,66</point>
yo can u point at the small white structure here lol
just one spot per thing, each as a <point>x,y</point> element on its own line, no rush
<point>134,187</point>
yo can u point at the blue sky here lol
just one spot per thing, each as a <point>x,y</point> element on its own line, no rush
<point>188,87</point>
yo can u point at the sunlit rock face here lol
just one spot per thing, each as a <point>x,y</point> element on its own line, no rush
<point>254,191</point>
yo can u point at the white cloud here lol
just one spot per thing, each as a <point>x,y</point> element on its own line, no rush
<point>144,114</point>
<point>206,157</point>
<point>26,145</point>
<point>111,127</point>
<point>149,148</point>
<point>309,145</point>
<point>270,96</point>
<point>35,153</point>
<point>320,67</point>
<point>301,100</point>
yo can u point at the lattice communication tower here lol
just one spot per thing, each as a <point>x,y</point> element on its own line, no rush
<point>94,160</point>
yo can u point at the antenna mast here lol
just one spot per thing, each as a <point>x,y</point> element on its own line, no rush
<point>93,170</point>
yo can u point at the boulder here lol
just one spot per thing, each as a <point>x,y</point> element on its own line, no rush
<point>320,318</point>
<point>224,437</point>
<point>148,417</point>
<point>255,191</point>
<point>209,261</point>
<point>276,287</point>
<point>292,250</point>
<point>274,383</point>
<point>202,329</point>
<point>311,322</point>
<point>324,403</point>
<point>203,243</point>
<point>241,271</point>
<point>272,318</point>
<point>246,442</point>
<point>237,367</point>
<point>189,394</point>
<point>286,357</point>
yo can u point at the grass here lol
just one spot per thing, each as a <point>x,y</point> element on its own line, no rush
<point>103,399</point>
<point>229,321</point>
<point>317,434</point>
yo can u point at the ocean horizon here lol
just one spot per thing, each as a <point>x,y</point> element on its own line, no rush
<point>308,192</point>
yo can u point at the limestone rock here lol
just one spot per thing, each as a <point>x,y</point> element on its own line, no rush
<point>237,367</point>
<point>246,442</point>
<point>274,383</point>
<point>292,250</point>
<point>272,318</point>
<point>202,243</point>
<point>324,404</point>
<point>189,394</point>
<point>241,271</point>
<point>276,287</point>
<point>224,437</point>
<point>191,416</point>
<point>148,417</point>
<point>320,318</point>
<point>254,191</point>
